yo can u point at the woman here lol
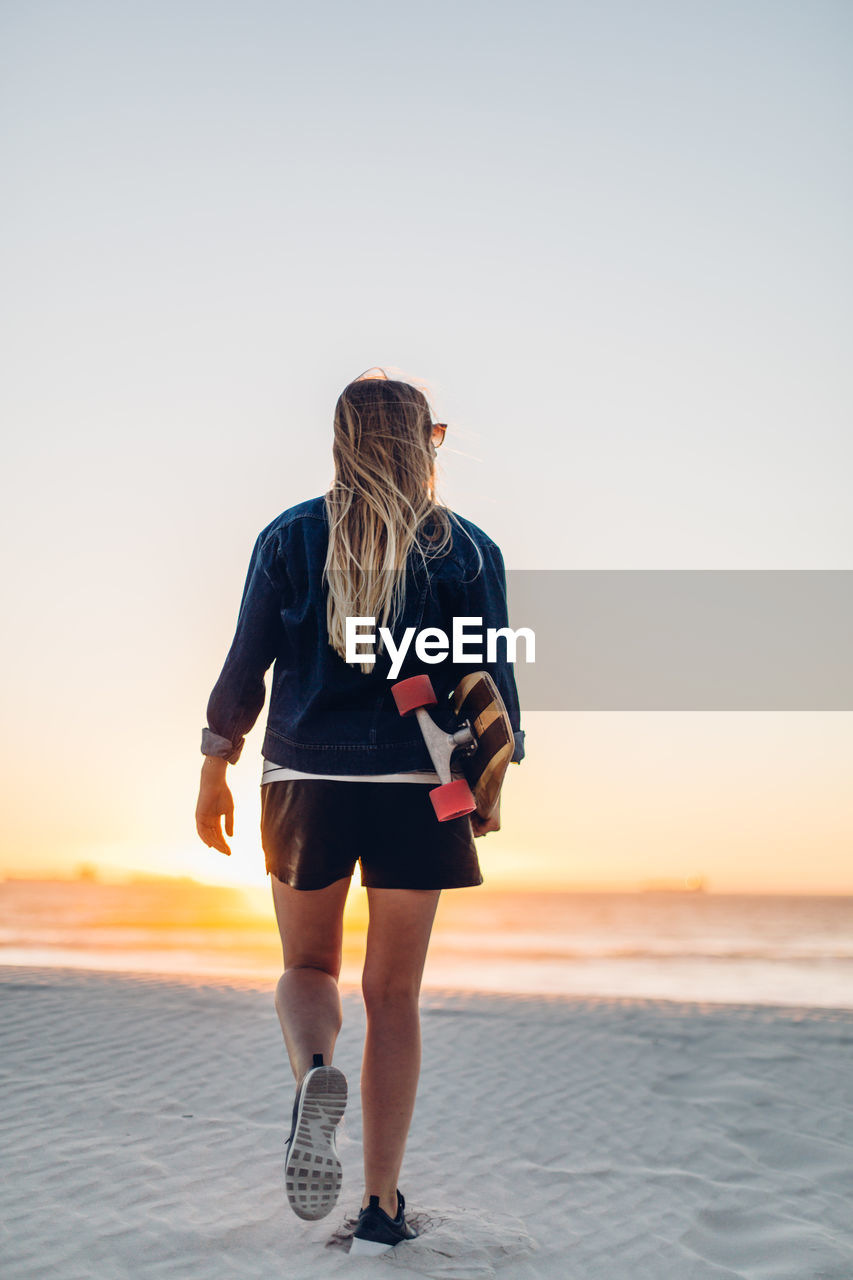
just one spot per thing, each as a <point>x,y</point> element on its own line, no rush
<point>346,779</point>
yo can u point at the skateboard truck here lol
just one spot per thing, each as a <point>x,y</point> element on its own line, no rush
<point>483,739</point>
<point>454,798</point>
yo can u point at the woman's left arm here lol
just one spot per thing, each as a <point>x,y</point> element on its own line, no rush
<point>238,696</point>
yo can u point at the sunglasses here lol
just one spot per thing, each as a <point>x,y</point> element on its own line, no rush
<point>439,430</point>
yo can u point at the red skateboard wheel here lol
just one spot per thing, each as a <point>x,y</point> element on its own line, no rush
<point>415,692</point>
<point>452,799</point>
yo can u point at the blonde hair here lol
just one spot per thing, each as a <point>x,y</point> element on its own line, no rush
<point>382,503</point>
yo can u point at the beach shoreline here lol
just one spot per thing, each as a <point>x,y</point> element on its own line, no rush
<point>431,994</point>
<point>763,949</point>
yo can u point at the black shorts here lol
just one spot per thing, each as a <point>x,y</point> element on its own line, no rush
<point>313,832</point>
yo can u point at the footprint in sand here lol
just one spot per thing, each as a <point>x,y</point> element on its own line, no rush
<point>465,1244</point>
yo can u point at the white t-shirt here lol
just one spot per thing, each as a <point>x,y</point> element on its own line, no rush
<point>279,773</point>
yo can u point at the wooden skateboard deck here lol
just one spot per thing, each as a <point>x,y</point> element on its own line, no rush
<point>476,700</point>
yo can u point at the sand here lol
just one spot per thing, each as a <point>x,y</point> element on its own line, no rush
<point>568,1138</point>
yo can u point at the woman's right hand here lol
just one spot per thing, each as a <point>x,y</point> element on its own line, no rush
<point>214,802</point>
<point>482,826</point>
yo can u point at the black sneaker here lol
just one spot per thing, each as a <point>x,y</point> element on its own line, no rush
<point>376,1232</point>
<point>312,1168</point>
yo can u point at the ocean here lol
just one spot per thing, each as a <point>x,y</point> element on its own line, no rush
<point>696,946</point>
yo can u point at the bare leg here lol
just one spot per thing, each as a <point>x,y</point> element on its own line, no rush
<point>397,940</point>
<point>307,1000</point>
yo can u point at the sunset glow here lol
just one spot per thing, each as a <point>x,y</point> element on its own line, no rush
<point>651,379</point>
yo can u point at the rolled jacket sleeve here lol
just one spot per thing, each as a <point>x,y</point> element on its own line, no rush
<point>238,695</point>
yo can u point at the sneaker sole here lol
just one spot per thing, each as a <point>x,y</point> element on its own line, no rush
<point>369,1248</point>
<point>313,1172</point>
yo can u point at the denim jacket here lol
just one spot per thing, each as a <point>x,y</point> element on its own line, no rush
<point>325,715</point>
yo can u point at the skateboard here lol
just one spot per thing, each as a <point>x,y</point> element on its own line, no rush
<point>483,741</point>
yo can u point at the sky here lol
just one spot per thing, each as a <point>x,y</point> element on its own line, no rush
<point>611,238</point>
